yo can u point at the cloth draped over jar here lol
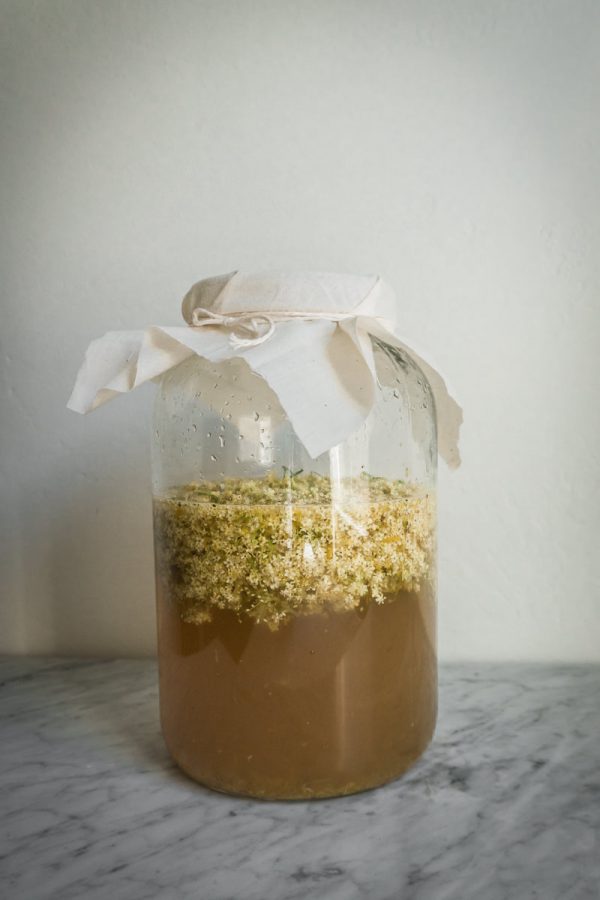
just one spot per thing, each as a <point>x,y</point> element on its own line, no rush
<point>306,333</point>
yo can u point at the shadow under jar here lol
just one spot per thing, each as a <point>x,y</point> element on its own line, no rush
<point>296,597</point>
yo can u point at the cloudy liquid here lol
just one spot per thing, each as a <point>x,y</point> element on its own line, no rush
<point>327,704</point>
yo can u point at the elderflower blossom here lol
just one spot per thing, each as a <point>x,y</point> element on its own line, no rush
<point>275,547</point>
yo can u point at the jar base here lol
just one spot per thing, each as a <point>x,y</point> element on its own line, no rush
<point>273,793</point>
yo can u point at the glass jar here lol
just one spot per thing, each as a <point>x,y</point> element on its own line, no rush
<point>296,597</point>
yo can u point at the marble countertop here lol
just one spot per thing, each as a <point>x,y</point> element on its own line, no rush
<point>505,803</point>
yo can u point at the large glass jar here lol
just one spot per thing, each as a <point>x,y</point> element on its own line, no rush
<point>296,596</point>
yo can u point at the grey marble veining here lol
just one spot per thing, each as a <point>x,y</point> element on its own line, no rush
<point>505,805</point>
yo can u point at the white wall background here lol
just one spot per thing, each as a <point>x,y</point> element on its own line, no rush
<point>453,147</point>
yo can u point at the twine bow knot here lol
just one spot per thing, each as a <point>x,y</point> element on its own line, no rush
<point>248,329</point>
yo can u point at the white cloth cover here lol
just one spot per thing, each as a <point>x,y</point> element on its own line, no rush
<point>305,333</point>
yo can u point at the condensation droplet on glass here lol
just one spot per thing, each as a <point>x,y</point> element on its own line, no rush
<point>396,394</point>
<point>221,440</point>
<point>194,428</point>
<point>213,457</point>
<point>209,434</point>
<point>256,416</point>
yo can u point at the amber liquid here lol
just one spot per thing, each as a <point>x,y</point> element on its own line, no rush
<point>328,704</point>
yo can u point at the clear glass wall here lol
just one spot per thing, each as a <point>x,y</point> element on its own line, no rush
<point>296,596</point>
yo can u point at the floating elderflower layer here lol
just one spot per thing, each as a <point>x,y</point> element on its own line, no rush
<point>273,547</point>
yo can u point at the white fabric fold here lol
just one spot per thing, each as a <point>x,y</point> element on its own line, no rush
<point>315,353</point>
